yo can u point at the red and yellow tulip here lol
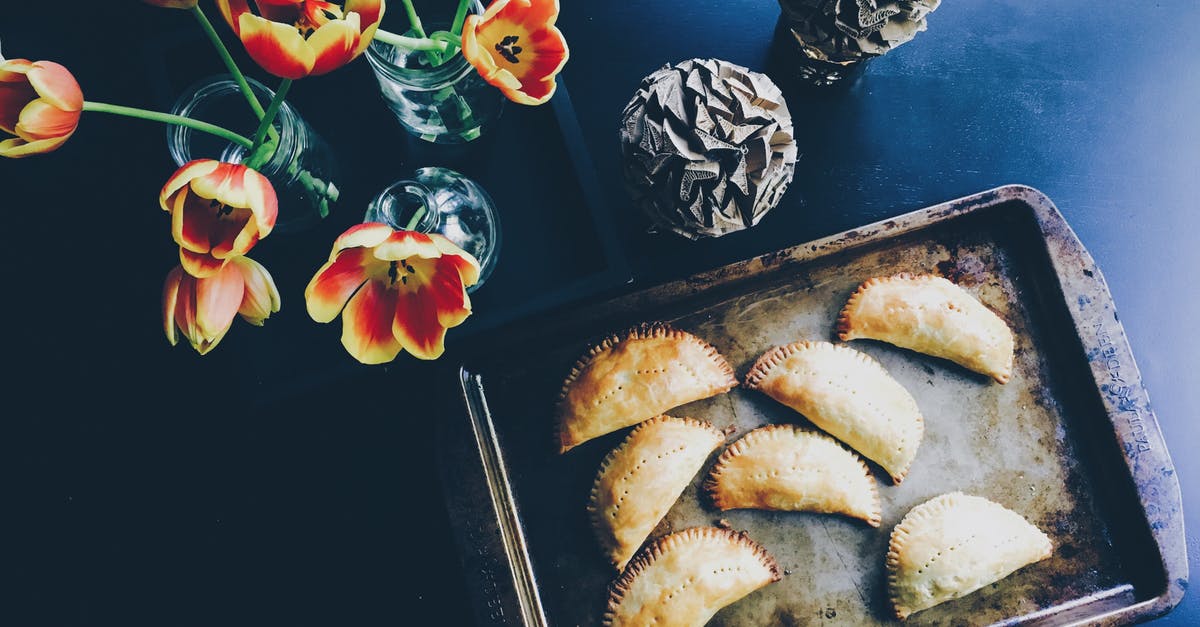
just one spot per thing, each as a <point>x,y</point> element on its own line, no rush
<point>40,103</point>
<point>515,46</point>
<point>218,211</point>
<point>395,290</point>
<point>202,309</point>
<point>295,38</point>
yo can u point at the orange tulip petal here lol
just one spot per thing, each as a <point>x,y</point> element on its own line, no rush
<point>261,298</point>
<point>13,98</point>
<point>218,299</point>
<point>184,175</point>
<point>464,262</point>
<point>447,293</point>
<point>367,324</point>
<point>370,13</point>
<point>416,325</point>
<point>200,265</point>
<point>55,84</point>
<point>233,234</point>
<point>42,120</point>
<point>14,70</point>
<point>170,298</point>
<point>231,10</point>
<point>224,183</point>
<point>335,283</point>
<point>334,44</point>
<point>261,200</point>
<point>16,147</point>
<point>366,235</point>
<point>404,244</point>
<point>279,48</point>
<point>192,220</point>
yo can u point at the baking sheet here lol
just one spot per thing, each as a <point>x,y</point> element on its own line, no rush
<point>1069,443</point>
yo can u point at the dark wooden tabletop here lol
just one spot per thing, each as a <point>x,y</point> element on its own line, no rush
<point>276,481</point>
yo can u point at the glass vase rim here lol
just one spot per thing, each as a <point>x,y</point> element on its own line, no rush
<point>447,73</point>
<point>218,85</point>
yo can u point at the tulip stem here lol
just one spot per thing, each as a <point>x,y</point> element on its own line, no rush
<point>231,65</point>
<point>412,223</point>
<point>168,118</point>
<point>410,43</point>
<point>435,57</point>
<point>272,110</point>
<point>460,16</point>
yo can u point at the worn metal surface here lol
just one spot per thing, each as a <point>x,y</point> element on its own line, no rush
<point>1070,442</point>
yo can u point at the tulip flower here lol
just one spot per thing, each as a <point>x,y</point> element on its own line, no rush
<point>172,4</point>
<point>395,290</point>
<point>218,211</point>
<point>40,103</point>
<point>294,38</point>
<point>515,46</point>
<point>202,309</point>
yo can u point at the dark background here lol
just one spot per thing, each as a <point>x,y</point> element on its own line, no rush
<point>277,481</point>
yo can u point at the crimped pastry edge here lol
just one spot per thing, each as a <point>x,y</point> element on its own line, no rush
<point>712,485</point>
<point>645,330</point>
<point>918,513</point>
<point>845,322</point>
<point>648,555</point>
<point>595,515</point>
<point>772,358</point>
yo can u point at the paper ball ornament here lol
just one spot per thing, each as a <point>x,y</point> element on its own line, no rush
<point>708,147</point>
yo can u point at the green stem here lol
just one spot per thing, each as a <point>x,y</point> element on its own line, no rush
<point>412,224</point>
<point>413,19</point>
<point>272,110</point>
<point>168,118</point>
<point>453,42</point>
<point>410,43</point>
<point>435,58</point>
<point>231,65</point>
<point>460,16</point>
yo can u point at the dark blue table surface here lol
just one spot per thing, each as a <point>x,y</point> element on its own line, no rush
<point>151,486</point>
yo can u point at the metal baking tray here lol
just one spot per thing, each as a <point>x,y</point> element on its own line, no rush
<point>1070,442</point>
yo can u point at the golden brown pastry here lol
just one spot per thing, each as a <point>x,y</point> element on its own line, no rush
<point>953,545</point>
<point>641,479</point>
<point>684,578</point>
<point>847,394</point>
<point>930,315</point>
<point>635,376</point>
<point>784,467</point>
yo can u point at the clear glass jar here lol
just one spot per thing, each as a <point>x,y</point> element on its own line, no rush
<point>302,170</point>
<point>455,206</point>
<point>445,104</point>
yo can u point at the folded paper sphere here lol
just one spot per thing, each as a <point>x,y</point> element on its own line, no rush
<point>842,31</point>
<point>708,147</point>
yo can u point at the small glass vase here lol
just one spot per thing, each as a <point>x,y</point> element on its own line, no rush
<point>445,104</point>
<point>455,207</point>
<point>302,170</point>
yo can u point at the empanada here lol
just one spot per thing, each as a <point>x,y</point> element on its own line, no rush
<point>641,479</point>
<point>635,376</point>
<point>684,578</point>
<point>784,467</point>
<point>953,545</point>
<point>847,394</point>
<point>930,315</point>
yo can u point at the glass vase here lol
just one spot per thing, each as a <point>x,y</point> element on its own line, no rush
<point>453,206</point>
<point>444,104</point>
<point>302,169</point>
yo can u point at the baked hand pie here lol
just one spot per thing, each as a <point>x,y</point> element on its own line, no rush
<point>683,579</point>
<point>930,315</point>
<point>953,545</point>
<point>783,467</point>
<point>635,376</point>
<point>848,395</point>
<point>642,478</point>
